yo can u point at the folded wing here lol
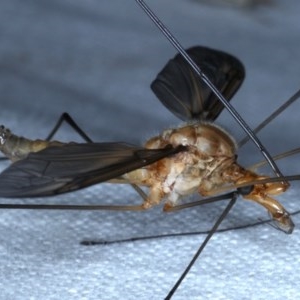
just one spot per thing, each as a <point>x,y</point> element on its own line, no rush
<point>57,170</point>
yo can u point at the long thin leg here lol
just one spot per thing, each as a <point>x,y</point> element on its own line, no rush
<point>199,202</point>
<point>113,207</point>
<point>65,117</point>
<point>73,207</point>
<point>139,191</point>
<point>270,118</point>
<point>276,157</point>
<point>278,111</point>
<point>170,209</point>
<point>202,246</point>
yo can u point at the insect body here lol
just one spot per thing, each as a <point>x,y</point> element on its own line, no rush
<point>196,157</point>
<point>207,164</point>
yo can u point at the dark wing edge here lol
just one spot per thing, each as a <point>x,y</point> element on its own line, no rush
<point>57,170</point>
<point>182,92</point>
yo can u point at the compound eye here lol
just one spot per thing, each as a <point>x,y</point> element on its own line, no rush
<point>245,190</point>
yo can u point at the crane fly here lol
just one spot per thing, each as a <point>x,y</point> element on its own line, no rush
<point>196,157</point>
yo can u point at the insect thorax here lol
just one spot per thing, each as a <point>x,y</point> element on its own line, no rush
<point>210,150</point>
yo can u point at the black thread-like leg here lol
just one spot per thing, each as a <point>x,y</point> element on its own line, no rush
<point>114,207</point>
<point>65,117</point>
<point>272,117</point>
<point>73,207</point>
<point>169,209</point>
<point>202,246</point>
<point>199,202</point>
<point>139,191</point>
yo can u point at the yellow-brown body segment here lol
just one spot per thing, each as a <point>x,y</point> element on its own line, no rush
<point>208,166</point>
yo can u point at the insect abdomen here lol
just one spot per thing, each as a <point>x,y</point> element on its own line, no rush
<point>15,147</point>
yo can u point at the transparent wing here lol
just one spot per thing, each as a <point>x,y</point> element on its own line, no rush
<point>185,95</point>
<point>57,170</point>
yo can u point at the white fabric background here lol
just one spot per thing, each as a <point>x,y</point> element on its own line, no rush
<point>95,60</point>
